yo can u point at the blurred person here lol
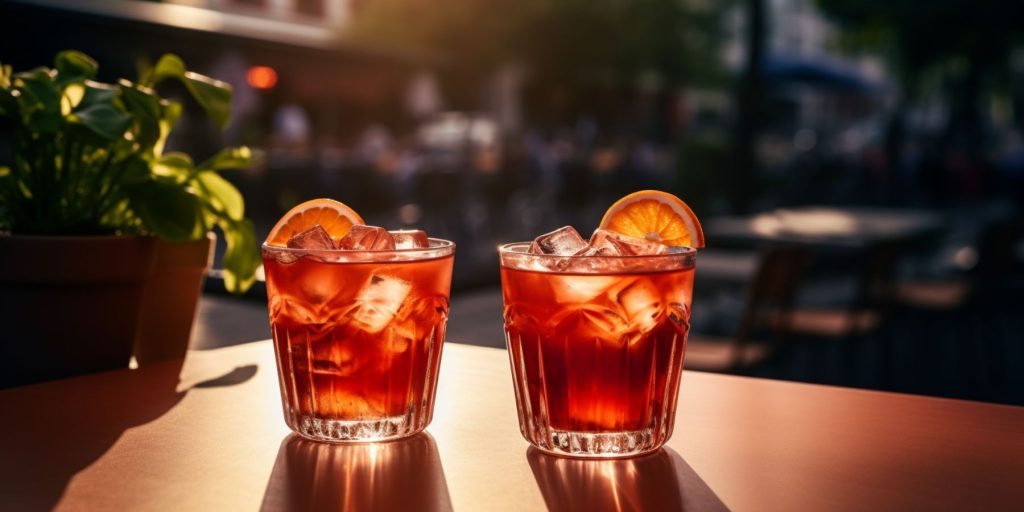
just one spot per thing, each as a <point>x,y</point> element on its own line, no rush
<point>374,141</point>
<point>292,128</point>
<point>423,96</point>
<point>409,162</point>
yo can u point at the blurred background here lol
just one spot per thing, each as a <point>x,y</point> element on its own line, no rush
<point>858,166</point>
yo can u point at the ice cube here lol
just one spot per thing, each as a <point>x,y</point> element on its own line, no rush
<point>563,241</point>
<point>367,238</point>
<point>340,357</point>
<point>343,403</point>
<point>305,313</point>
<point>580,289</point>
<point>680,316</point>
<point>588,322</point>
<point>425,310</point>
<point>399,336</point>
<point>315,237</point>
<point>378,302</point>
<point>321,284</point>
<point>419,319</point>
<point>410,239</point>
<point>640,303</point>
<point>626,245</point>
<point>282,257</point>
<point>523,317</point>
<point>289,312</point>
<point>604,250</point>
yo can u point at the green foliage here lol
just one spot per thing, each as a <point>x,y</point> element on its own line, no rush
<point>920,37</point>
<point>88,159</point>
<point>574,42</point>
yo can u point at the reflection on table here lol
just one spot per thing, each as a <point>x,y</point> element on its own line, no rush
<point>399,475</point>
<point>659,481</point>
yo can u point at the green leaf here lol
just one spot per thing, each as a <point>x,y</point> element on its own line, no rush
<point>83,95</point>
<point>221,195</point>
<point>74,66</point>
<point>71,97</point>
<point>169,114</point>
<point>104,120</point>
<point>169,66</point>
<point>213,95</point>
<point>242,257</point>
<point>8,105</point>
<point>136,171</point>
<point>228,158</point>
<point>169,210</point>
<point>146,112</point>
<point>177,167</point>
<point>38,100</point>
<point>97,93</point>
<point>96,99</point>
<point>5,76</point>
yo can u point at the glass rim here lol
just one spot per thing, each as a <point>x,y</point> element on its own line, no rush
<point>438,248</point>
<point>673,252</point>
<point>572,264</point>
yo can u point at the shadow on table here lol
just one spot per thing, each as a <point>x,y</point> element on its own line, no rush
<point>399,475</point>
<point>660,481</point>
<point>73,426</point>
<point>237,376</point>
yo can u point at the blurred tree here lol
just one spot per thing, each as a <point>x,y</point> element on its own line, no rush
<point>969,41</point>
<point>562,43</point>
<point>743,171</point>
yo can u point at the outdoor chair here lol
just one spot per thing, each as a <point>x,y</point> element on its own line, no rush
<point>769,300</point>
<point>996,246</point>
<point>872,298</point>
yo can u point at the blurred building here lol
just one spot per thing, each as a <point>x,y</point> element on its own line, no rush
<point>331,13</point>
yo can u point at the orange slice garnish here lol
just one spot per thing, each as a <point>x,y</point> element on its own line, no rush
<point>657,216</point>
<point>332,215</point>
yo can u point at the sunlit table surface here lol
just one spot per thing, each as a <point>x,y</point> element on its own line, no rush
<point>825,225</point>
<point>214,439</point>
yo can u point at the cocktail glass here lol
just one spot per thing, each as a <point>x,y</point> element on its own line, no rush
<point>358,337</point>
<point>596,346</point>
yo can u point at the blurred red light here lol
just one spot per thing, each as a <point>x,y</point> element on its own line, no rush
<point>261,77</point>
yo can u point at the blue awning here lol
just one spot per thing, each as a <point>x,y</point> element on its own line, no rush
<point>817,72</point>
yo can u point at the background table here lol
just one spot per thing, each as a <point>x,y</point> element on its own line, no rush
<point>852,227</point>
<point>215,440</point>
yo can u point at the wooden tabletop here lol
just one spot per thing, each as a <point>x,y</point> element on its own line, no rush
<point>214,439</point>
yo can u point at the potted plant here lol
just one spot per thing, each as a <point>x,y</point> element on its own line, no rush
<point>91,202</point>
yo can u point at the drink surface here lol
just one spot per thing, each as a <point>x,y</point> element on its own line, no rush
<point>358,341</point>
<point>597,352</point>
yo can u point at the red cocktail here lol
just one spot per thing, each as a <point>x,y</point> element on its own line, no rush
<point>596,329</point>
<point>596,345</point>
<point>358,337</point>
<point>358,323</point>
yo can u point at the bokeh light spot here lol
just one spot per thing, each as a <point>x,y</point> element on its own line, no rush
<point>261,77</point>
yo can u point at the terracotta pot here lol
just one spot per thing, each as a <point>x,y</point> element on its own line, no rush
<point>69,305</point>
<point>170,299</point>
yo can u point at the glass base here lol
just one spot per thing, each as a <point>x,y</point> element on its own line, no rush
<point>340,431</point>
<point>599,445</point>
